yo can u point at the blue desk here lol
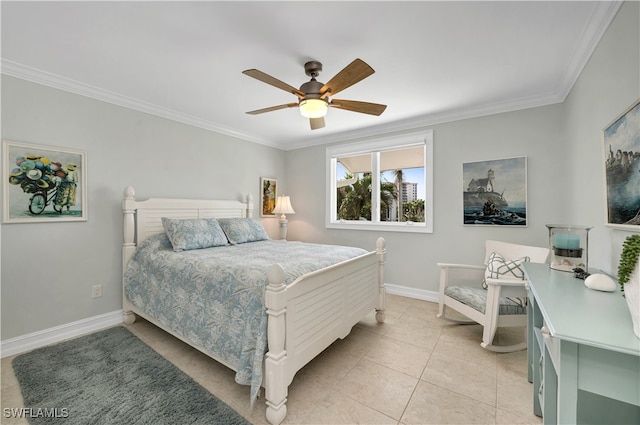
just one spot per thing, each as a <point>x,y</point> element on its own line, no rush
<point>579,340</point>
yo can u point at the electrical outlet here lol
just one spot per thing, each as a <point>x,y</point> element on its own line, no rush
<point>96,291</point>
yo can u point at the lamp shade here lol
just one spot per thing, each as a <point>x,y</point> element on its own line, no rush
<point>283,205</point>
<point>313,108</point>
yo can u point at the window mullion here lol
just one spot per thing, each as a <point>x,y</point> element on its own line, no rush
<point>331,188</point>
<point>375,187</point>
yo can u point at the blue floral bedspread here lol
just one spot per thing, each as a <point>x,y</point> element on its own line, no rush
<point>215,297</point>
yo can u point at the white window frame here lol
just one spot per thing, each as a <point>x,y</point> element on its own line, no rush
<point>407,140</point>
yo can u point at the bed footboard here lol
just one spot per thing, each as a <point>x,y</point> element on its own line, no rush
<point>308,315</point>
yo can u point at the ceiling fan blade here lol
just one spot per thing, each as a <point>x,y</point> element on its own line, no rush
<point>266,78</point>
<point>316,123</point>
<point>356,71</point>
<point>355,106</point>
<point>272,108</point>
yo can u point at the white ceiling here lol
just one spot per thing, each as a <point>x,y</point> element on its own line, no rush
<point>434,61</point>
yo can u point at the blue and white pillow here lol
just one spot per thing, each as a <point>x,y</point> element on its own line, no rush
<point>242,230</point>
<point>500,268</point>
<point>193,233</point>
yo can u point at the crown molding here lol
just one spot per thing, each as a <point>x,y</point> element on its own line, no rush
<point>603,14</point>
<point>600,19</point>
<point>24,72</point>
<point>433,119</point>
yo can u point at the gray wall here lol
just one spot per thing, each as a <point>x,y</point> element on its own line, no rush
<point>47,270</point>
<point>565,175</point>
<point>608,85</point>
<point>534,133</point>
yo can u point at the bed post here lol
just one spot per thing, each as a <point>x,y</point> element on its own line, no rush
<point>381,251</point>
<point>276,359</point>
<point>128,246</point>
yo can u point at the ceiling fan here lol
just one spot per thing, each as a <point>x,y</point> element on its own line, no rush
<point>313,96</point>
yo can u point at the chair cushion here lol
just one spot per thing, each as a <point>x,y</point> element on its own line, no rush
<point>476,298</point>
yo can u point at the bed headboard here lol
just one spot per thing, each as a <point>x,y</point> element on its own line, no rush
<point>144,218</point>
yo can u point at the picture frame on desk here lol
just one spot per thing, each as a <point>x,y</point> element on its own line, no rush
<point>621,165</point>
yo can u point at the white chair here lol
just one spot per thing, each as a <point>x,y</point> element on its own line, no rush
<point>503,303</point>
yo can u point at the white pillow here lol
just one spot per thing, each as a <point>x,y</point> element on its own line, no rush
<point>499,268</point>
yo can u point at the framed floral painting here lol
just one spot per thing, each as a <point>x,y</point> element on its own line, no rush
<point>269,193</point>
<point>43,183</point>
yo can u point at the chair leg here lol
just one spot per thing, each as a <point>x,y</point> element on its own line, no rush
<point>506,348</point>
<point>488,333</point>
<point>491,316</point>
<point>457,321</point>
<point>442,314</point>
<point>441,309</point>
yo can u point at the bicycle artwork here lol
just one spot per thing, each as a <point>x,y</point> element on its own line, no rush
<point>45,184</point>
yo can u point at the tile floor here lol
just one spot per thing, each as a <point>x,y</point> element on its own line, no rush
<point>413,369</point>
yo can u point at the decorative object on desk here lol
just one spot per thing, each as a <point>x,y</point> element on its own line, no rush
<point>621,158</point>
<point>629,278</point>
<point>269,190</point>
<point>495,192</point>
<point>600,282</point>
<point>283,206</point>
<point>579,273</point>
<point>569,247</point>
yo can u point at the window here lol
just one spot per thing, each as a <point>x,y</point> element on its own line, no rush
<point>383,184</point>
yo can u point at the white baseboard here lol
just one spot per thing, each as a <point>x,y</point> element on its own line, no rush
<point>44,337</point>
<point>406,291</point>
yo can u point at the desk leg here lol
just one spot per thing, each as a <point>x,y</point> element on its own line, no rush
<point>568,383</point>
<point>531,338</point>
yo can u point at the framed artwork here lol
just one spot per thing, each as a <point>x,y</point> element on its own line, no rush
<point>43,183</point>
<point>495,192</point>
<point>621,158</point>
<point>268,189</point>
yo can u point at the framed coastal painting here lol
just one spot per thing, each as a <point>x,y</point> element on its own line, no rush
<point>494,192</point>
<point>269,193</point>
<point>43,183</point>
<point>621,160</point>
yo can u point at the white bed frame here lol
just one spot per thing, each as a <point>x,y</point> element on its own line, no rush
<point>304,317</point>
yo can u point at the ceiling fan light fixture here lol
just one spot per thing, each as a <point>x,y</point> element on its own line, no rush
<point>313,108</point>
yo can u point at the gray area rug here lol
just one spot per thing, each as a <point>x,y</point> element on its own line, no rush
<point>112,377</point>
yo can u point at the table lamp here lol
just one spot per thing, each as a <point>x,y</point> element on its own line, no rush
<point>283,206</point>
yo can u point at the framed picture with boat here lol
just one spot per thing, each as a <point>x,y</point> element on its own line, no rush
<point>495,192</point>
<point>621,158</point>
